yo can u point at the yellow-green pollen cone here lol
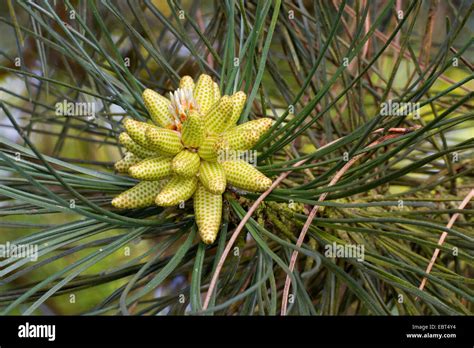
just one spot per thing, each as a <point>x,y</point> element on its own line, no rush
<point>177,156</point>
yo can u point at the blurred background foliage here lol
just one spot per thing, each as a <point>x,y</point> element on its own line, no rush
<point>321,69</point>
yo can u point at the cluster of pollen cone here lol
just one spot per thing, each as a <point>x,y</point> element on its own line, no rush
<point>177,155</point>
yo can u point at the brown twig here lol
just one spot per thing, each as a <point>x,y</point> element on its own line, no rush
<point>424,56</point>
<point>202,27</point>
<point>354,63</point>
<point>443,237</point>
